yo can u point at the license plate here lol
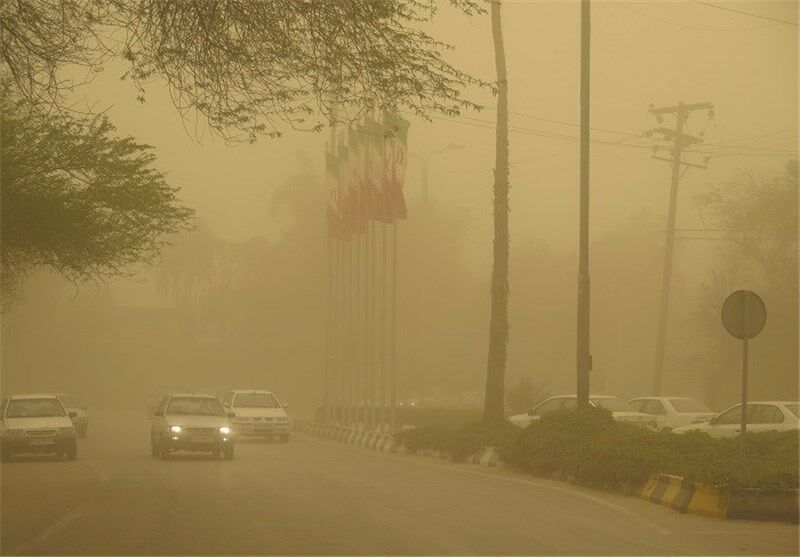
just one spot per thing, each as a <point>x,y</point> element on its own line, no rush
<point>42,441</point>
<point>201,439</point>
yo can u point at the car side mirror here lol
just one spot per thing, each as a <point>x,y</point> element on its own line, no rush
<point>158,414</point>
<point>72,414</point>
<point>231,415</point>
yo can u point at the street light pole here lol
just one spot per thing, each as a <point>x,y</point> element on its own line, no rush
<point>424,222</point>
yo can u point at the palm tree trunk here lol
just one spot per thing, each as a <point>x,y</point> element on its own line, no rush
<point>494,404</point>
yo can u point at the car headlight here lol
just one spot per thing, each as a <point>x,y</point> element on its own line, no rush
<point>14,433</point>
<point>176,429</point>
<point>225,430</point>
<point>67,431</point>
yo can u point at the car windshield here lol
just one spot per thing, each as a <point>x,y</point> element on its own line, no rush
<point>34,408</point>
<point>794,409</point>
<point>688,405</point>
<point>256,400</point>
<point>69,401</point>
<point>195,405</point>
<point>612,403</point>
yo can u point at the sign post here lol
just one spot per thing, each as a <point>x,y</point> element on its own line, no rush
<point>744,315</point>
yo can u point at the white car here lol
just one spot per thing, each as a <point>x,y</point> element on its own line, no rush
<point>81,419</point>
<point>257,413</point>
<point>36,423</point>
<point>612,403</point>
<point>672,411</point>
<point>191,422</point>
<point>769,415</point>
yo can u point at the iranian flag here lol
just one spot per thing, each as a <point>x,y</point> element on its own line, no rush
<point>334,209</point>
<point>375,143</point>
<point>396,161</point>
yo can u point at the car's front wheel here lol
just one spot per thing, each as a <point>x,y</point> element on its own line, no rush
<point>5,454</point>
<point>227,452</point>
<point>153,447</point>
<point>72,451</point>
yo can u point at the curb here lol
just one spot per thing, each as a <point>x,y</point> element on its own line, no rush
<point>681,495</point>
<point>690,497</point>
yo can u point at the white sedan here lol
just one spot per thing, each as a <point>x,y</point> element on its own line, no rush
<point>770,415</point>
<point>612,403</point>
<point>670,412</point>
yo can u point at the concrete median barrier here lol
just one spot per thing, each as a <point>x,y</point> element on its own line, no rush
<point>694,498</point>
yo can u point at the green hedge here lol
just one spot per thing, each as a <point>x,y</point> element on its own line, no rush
<point>593,449</point>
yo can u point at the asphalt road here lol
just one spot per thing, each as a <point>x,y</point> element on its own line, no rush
<point>312,497</point>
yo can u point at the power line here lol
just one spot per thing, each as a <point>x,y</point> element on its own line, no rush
<point>487,124</point>
<point>686,25</point>
<point>573,124</point>
<point>746,147</point>
<point>747,137</point>
<point>710,5</point>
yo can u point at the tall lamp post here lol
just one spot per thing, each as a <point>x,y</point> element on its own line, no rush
<point>425,161</point>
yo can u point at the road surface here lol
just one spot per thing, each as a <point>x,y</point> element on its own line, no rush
<point>313,497</point>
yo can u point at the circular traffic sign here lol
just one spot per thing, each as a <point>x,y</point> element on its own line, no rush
<point>744,314</point>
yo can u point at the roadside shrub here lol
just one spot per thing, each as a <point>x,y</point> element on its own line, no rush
<point>590,448</point>
<point>458,442</point>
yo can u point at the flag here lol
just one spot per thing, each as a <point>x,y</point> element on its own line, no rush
<point>396,156</point>
<point>376,168</point>
<point>334,209</point>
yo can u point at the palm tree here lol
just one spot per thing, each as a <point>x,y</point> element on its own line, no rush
<point>494,404</point>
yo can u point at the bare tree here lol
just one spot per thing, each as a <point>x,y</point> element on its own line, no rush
<point>250,67</point>
<point>494,409</point>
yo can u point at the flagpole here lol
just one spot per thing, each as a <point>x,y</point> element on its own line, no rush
<point>351,345</point>
<point>393,332</point>
<point>339,330</point>
<point>384,247</point>
<point>328,330</point>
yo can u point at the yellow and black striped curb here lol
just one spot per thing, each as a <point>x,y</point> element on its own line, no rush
<point>695,498</point>
<point>674,492</point>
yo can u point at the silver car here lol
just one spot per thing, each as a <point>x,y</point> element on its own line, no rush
<point>191,422</point>
<point>36,424</point>
<point>611,403</point>
<point>257,413</point>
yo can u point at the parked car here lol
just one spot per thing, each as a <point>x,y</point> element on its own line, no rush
<point>38,424</point>
<point>81,419</point>
<point>672,411</point>
<point>257,413</point>
<point>612,403</point>
<point>769,415</point>
<point>191,422</point>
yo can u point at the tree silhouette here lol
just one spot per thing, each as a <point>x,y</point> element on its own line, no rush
<point>250,67</point>
<point>78,199</point>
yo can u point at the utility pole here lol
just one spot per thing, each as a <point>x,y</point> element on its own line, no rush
<point>584,358</point>
<point>679,141</point>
